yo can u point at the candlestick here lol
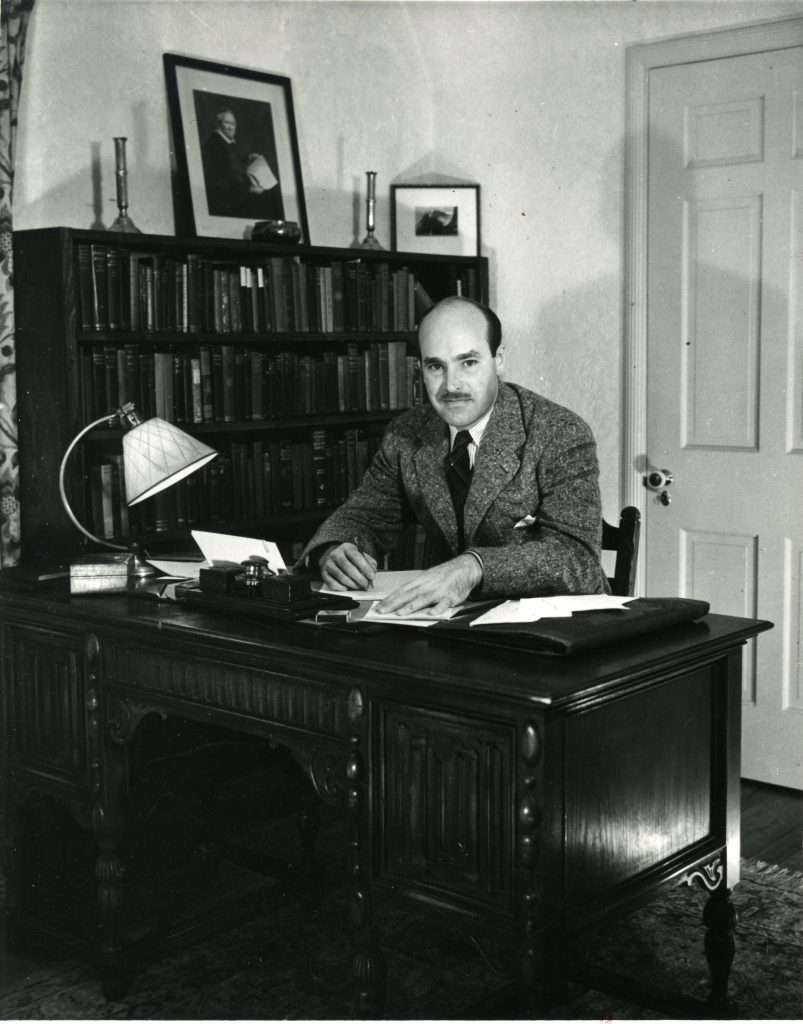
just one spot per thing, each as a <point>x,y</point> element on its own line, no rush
<point>123,221</point>
<point>370,242</point>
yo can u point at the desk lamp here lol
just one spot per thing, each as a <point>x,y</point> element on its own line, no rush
<point>156,455</point>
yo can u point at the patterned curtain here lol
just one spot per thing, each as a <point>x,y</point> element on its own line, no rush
<point>14,20</point>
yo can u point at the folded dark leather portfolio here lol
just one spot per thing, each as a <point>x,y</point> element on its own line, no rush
<point>582,631</point>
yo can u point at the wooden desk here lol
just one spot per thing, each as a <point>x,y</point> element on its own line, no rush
<point>521,796</point>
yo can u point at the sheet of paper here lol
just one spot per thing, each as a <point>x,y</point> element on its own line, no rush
<point>384,583</point>
<point>188,569</point>
<point>221,547</point>
<point>422,618</point>
<point>531,609</point>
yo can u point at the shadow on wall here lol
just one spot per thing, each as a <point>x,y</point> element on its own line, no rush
<point>576,329</point>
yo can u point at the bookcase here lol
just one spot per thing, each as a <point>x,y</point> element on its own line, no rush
<point>288,360</point>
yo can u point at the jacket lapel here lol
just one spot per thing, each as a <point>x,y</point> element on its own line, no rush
<point>429,462</point>
<point>498,458</point>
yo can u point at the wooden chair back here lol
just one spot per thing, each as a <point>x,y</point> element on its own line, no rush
<point>624,540</point>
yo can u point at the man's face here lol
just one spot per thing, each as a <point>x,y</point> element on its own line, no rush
<point>228,125</point>
<point>460,374</point>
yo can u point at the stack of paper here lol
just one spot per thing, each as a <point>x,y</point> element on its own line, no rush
<point>425,617</point>
<point>531,609</point>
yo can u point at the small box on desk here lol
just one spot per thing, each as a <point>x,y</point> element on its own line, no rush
<point>220,577</point>
<point>286,590</point>
<point>92,574</point>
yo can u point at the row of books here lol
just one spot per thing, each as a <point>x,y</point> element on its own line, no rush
<point>251,480</point>
<point>234,384</point>
<point>128,290</point>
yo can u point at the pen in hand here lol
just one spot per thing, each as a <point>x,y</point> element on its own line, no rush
<point>359,548</point>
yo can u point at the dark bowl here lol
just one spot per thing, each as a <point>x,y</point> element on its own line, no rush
<point>276,231</point>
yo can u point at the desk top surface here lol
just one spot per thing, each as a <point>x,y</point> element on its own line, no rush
<point>400,656</point>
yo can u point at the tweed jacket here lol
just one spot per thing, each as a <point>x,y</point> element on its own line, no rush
<point>536,459</point>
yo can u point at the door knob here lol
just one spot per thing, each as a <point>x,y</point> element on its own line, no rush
<point>658,478</point>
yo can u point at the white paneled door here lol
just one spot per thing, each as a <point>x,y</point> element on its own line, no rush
<point>725,369</point>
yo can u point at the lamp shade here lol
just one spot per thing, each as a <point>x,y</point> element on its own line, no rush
<point>156,454</point>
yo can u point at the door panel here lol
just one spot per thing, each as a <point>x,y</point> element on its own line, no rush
<point>725,368</point>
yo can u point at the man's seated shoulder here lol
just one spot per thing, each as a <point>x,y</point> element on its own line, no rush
<point>543,413</point>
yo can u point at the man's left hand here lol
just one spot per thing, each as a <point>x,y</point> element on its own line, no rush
<point>437,591</point>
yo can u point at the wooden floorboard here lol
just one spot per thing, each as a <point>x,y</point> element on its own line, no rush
<point>772,824</point>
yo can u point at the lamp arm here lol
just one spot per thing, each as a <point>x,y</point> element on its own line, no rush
<point>63,492</point>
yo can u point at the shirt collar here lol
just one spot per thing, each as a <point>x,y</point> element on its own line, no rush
<point>476,430</point>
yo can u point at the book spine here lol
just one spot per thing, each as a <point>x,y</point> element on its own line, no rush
<point>235,301</point>
<point>320,489</point>
<point>179,388</point>
<point>100,287</point>
<point>257,470</point>
<point>195,379</point>
<point>157,293</point>
<point>111,387</point>
<point>338,298</point>
<point>257,385</point>
<point>86,307</point>
<point>218,382</point>
<point>161,375</point>
<point>207,390</point>
<point>147,384</point>
<point>228,368</point>
<point>121,513</point>
<point>384,377</point>
<point>113,288</point>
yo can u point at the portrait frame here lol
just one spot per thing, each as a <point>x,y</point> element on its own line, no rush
<point>197,92</point>
<point>438,219</point>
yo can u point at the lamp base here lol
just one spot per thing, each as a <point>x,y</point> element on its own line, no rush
<point>141,570</point>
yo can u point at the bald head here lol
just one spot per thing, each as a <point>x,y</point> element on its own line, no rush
<point>461,357</point>
<point>456,311</point>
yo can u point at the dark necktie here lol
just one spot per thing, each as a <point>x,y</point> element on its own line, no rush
<point>458,476</point>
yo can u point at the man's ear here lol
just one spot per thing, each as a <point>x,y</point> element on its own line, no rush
<point>500,359</point>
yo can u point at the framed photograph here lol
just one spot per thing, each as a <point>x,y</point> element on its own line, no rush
<point>442,219</point>
<point>237,158</point>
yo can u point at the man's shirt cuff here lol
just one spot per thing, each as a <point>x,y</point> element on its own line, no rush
<point>478,556</point>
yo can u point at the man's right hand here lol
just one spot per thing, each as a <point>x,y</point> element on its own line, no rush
<point>345,567</point>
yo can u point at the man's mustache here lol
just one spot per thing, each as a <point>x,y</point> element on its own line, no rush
<point>453,396</point>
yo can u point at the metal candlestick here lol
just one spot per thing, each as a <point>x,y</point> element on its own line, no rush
<point>123,221</point>
<point>370,242</point>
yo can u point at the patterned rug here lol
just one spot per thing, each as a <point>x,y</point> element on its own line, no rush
<point>292,964</point>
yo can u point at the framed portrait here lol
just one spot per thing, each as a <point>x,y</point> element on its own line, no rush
<point>442,219</point>
<point>237,156</point>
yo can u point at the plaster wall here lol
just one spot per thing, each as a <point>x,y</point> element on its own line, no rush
<point>527,99</point>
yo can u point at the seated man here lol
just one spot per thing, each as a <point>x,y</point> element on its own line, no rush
<point>503,481</point>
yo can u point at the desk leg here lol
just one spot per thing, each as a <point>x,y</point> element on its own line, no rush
<point>368,965</point>
<point>541,968</point>
<point>308,823</point>
<point>719,918</point>
<point>13,865</point>
<point>109,827</point>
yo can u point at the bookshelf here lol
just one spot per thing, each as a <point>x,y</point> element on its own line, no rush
<point>289,360</point>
